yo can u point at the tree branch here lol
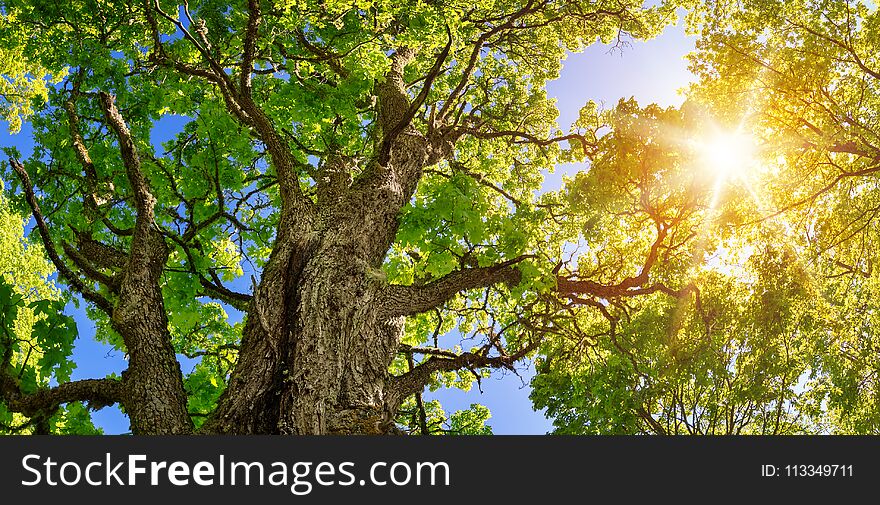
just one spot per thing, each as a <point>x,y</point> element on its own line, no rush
<point>98,393</point>
<point>528,138</point>
<point>63,270</point>
<point>415,380</point>
<point>144,199</point>
<point>400,300</point>
<point>79,147</point>
<point>412,110</point>
<point>213,287</point>
<point>296,207</point>
<point>99,253</point>
<point>566,285</point>
<point>844,46</point>
<point>87,268</point>
<point>420,404</point>
<point>250,37</point>
<point>475,55</point>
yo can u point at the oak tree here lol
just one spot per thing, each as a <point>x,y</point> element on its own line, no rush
<point>356,178</point>
<point>362,183</point>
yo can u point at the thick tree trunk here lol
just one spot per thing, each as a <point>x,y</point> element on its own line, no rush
<point>324,368</point>
<point>316,348</point>
<point>339,351</point>
<point>315,354</point>
<point>250,403</point>
<point>317,344</point>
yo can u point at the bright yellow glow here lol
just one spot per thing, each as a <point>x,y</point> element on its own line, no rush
<point>728,155</point>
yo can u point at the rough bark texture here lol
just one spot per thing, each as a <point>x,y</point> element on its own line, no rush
<point>317,344</point>
<point>338,352</point>
<point>250,403</point>
<point>154,396</point>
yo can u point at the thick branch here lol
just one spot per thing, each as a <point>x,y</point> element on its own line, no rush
<point>627,287</point>
<point>404,121</point>
<point>415,380</point>
<point>92,200</point>
<point>250,37</point>
<point>393,101</point>
<point>296,207</point>
<point>144,200</point>
<point>82,154</point>
<point>99,253</point>
<point>97,392</point>
<point>87,268</point>
<point>218,291</point>
<point>407,300</point>
<point>155,396</point>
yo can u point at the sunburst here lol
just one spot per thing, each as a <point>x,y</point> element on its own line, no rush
<point>731,157</point>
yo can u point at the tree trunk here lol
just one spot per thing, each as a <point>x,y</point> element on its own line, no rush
<point>338,352</point>
<point>249,405</point>
<point>324,368</point>
<point>316,348</point>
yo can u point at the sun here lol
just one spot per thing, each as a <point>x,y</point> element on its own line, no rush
<point>728,155</point>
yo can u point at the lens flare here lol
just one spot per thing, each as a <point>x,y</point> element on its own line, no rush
<point>728,155</point>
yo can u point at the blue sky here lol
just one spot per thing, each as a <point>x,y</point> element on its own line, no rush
<point>650,71</point>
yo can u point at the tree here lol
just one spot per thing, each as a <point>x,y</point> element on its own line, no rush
<point>357,179</point>
<point>805,74</point>
<point>728,359</point>
<point>787,344</point>
<point>361,181</point>
<point>729,365</point>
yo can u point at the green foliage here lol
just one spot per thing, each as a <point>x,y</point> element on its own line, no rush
<point>471,421</point>
<point>25,82</point>
<point>734,364</point>
<point>699,308</point>
<point>802,75</point>
<point>37,338</point>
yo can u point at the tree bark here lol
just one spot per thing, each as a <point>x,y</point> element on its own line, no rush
<point>153,384</point>
<point>250,403</point>
<point>317,343</point>
<point>339,351</point>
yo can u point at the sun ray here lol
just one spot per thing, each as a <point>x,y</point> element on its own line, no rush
<point>731,157</point>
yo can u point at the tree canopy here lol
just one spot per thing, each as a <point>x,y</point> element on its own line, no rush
<point>355,187</point>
